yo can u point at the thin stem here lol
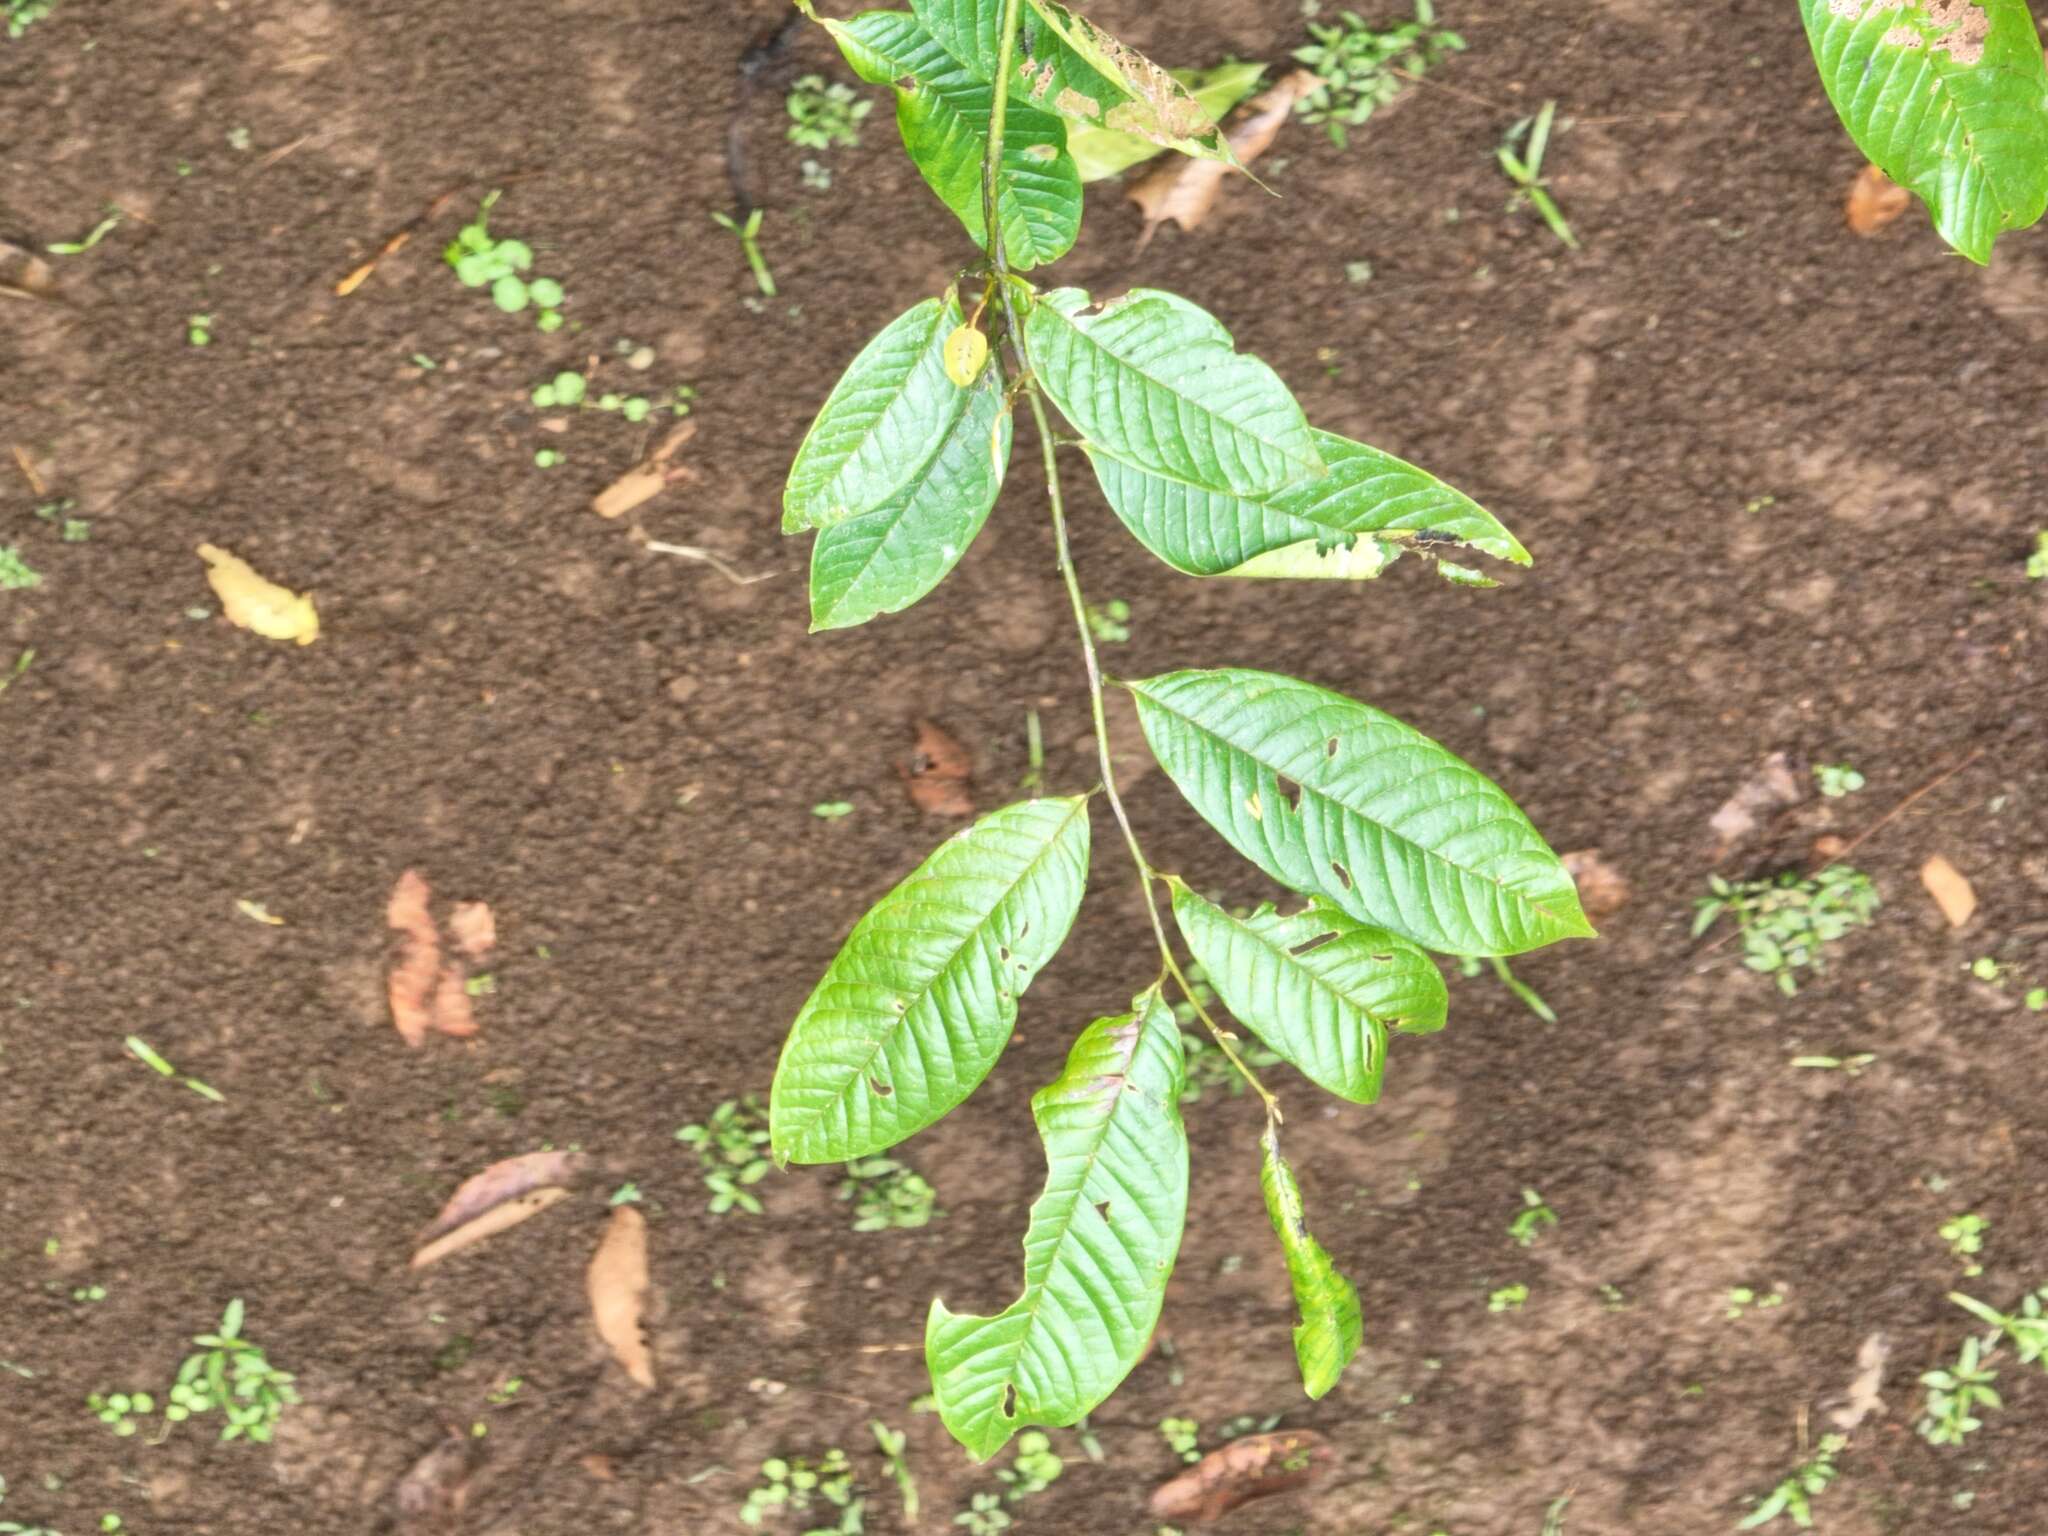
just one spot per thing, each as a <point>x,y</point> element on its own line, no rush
<point>1048,444</point>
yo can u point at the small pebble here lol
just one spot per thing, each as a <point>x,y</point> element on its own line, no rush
<point>642,360</point>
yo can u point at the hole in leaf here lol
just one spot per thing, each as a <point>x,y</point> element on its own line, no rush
<point>1010,1401</point>
<point>881,1088</point>
<point>1316,942</point>
<point>1024,932</point>
<point>1292,791</point>
<point>1342,873</point>
<point>1102,1209</point>
<point>1003,953</point>
<point>1330,747</point>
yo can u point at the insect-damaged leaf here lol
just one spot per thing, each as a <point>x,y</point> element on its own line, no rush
<point>943,101</point>
<point>1318,987</point>
<point>1335,799</point>
<point>1103,152</point>
<point>921,998</point>
<point>1154,381</point>
<point>1330,1329</point>
<point>1099,1247</point>
<point>1184,191</point>
<point>1947,98</point>
<point>1348,523</point>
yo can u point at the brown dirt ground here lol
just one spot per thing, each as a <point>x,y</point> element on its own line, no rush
<point>619,751</point>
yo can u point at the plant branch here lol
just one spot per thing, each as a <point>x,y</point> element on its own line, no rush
<point>1048,446</point>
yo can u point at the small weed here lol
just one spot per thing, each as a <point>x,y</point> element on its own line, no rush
<point>1786,922</point>
<point>116,1409</point>
<point>503,1394</point>
<point>1964,1235</point>
<point>2037,562</point>
<point>88,1293</point>
<point>1361,68</point>
<point>2027,1328</point>
<point>15,574</point>
<point>731,1151</point>
<point>832,810</point>
<point>748,235</point>
<point>1984,968</point>
<point>199,330</point>
<point>1553,1517</point>
<point>1807,1481</point>
<point>892,1443</point>
<point>548,458</point>
<point>1180,1437</point>
<point>22,663</point>
<point>984,1515</point>
<point>1110,622</point>
<point>15,1527</point>
<point>1508,1298</point>
<point>627,1193</point>
<point>146,1054</point>
<point>1741,1298</point>
<point>100,231</point>
<point>1955,1395</point>
<point>1533,1217</point>
<point>231,1374</point>
<point>2036,999</point>
<point>1469,967</point>
<point>1851,1066</point>
<point>1036,1468</point>
<point>823,116</point>
<point>481,260</point>
<point>816,176</point>
<point>1525,170</point>
<point>887,1194</point>
<point>21,15</point>
<point>1837,779</point>
<point>795,1485</point>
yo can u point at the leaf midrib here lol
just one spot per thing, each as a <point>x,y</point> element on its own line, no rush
<point>1317,982</point>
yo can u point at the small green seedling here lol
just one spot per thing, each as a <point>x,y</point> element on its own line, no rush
<point>1741,1298</point>
<point>116,1409</point>
<point>21,15</point>
<point>1530,998</point>
<point>199,330</point>
<point>1792,1497</point>
<point>984,1516</point>
<point>1553,1517</point>
<point>1786,922</point>
<point>2027,1328</point>
<point>1110,621</point>
<point>1181,1437</point>
<point>1533,1217</point>
<point>1525,170</point>
<point>892,1443</point>
<point>1956,1395</point>
<point>747,235</point>
<point>1964,1235</point>
<point>15,572</point>
<point>627,1193</point>
<point>146,1054</point>
<point>229,1374</point>
<point>88,1293</point>
<point>1036,1468</point>
<point>15,1527</point>
<point>1837,779</point>
<point>1363,69</point>
<point>823,116</point>
<point>100,231</point>
<point>832,810</point>
<point>1851,1066</point>
<point>2037,562</point>
<point>794,1485</point>
<point>548,458</point>
<point>72,530</point>
<point>1985,968</point>
<point>481,260</point>
<point>507,1390</point>
<point>886,1194</point>
<point>2036,1000</point>
<point>731,1151</point>
<point>1508,1298</point>
<point>21,665</point>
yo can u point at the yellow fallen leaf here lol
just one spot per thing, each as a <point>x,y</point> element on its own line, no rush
<point>617,1282</point>
<point>1950,889</point>
<point>272,611</point>
<point>256,911</point>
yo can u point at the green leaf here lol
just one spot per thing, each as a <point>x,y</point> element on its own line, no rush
<point>1950,99</point>
<point>1154,381</point>
<point>885,560</point>
<point>889,414</point>
<point>1330,1329</point>
<point>1389,826</point>
<point>922,997</point>
<point>1100,153</point>
<point>1315,527</point>
<point>942,110</point>
<point>1318,987</point>
<point>1099,1247</point>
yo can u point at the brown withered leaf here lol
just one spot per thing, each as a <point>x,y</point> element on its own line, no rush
<point>452,1013</point>
<point>473,928</point>
<point>25,275</point>
<point>1603,889</point>
<point>1771,788</point>
<point>503,1195</point>
<point>1250,1467</point>
<point>1184,189</point>
<point>617,1282</point>
<point>1951,890</point>
<point>431,1496</point>
<point>936,773</point>
<point>416,968</point>
<point>1862,1399</point>
<point>1874,201</point>
<point>647,479</point>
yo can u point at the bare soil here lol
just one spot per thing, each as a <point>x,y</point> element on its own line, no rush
<point>1779,481</point>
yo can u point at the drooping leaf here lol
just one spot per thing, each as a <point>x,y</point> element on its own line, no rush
<point>889,414</point>
<point>942,110</point>
<point>1100,153</point>
<point>1331,1328</point>
<point>885,560</point>
<point>1950,99</point>
<point>1334,798</point>
<point>922,997</point>
<point>1099,1247</point>
<point>1154,381</point>
<point>1318,987</point>
<point>1347,524</point>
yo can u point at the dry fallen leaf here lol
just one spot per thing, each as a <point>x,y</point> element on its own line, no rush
<point>1184,190</point>
<point>1603,889</point>
<point>1862,1398</point>
<point>1250,1467</point>
<point>598,1465</point>
<point>254,603</point>
<point>452,1013</point>
<point>936,773</point>
<point>474,929</point>
<point>1950,889</point>
<point>647,479</point>
<point>417,966</point>
<point>503,1195</point>
<point>1874,201</point>
<point>430,1497</point>
<point>25,275</point>
<point>255,911</point>
<point>618,1292</point>
<point>1771,788</point>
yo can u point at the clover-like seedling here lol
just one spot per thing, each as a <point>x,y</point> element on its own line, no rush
<point>1956,1396</point>
<point>1964,1235</point>
<point>231,1376</point>
<point>731,1151</point>
<point>1362,67</point>
<point>1787,922</point>
<point>1531,1219</point>
<point>1182,1438</point>
<point>793,1485</point>
<point>505,267</point>
<point>887,1194</point>
<point>1837,779</point>
<point>1508,1298</point>
<point>118,1410</point>
<point>823,116</point>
